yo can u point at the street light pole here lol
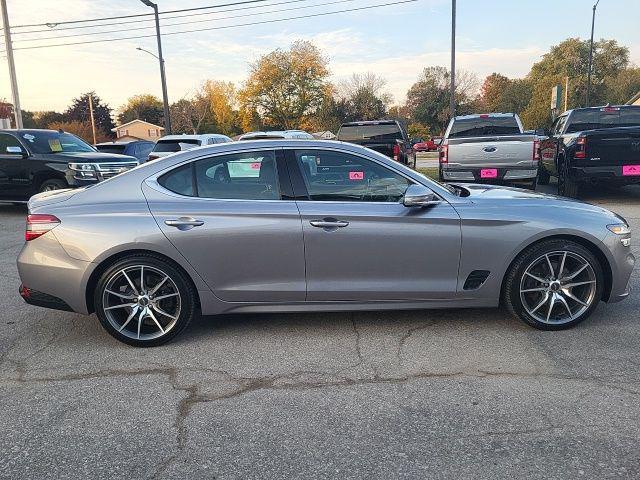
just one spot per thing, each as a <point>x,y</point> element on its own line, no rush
<point>452,101</point>
<point>163,78</point>
<point>593,21</point>
<point>17,112</point>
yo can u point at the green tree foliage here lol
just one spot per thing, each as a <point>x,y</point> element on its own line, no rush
<point>78,111</point>
<point>363,97</point>
<point>501,94</point>
<point>145,107</point>
<point>287,86</point>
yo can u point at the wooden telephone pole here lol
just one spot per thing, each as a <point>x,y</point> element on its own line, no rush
<point>93,121</point>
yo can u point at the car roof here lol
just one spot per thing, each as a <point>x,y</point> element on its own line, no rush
<point>123,142</point>
<point>370,122</point>
<point>200,136</point>
<point>273,134</point>
<point>484,115</point>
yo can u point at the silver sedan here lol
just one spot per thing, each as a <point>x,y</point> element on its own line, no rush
<point>297,225</point>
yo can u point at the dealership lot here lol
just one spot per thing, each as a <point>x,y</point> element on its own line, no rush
<point>461,393</point>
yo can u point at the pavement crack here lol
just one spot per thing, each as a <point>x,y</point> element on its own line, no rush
<point>408,334</point>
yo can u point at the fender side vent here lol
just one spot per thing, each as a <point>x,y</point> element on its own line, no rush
<point>476,279</point>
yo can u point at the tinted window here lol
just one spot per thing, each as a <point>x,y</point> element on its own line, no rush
<point>336,176</point>
<point>42,141</point>
<point>176,145</point>
<point>630,117</point>
<point>604,118</point>
<point>250,175</point>
<point>383,132</point>
<point>8,141</point>
<point>484,126</point>
<point>179,180</point>
<point>112,148</point>
<point>143,149</point>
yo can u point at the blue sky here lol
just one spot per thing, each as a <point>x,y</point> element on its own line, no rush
<point>395,42</point>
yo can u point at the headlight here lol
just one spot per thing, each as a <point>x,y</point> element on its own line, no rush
<point>83,171</point>
<point>619,228</point>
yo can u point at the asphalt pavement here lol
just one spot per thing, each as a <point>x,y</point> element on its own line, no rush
<point>419,394</point>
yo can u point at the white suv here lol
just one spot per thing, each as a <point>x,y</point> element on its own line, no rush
<point>176,143</point>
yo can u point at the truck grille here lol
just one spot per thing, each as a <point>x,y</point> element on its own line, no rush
<point>108,170</point>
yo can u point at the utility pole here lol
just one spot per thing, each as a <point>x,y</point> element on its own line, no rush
<point>17,112</point>
<point>163,78</point>
<point>452,101</point>
<point>593,22</point>
<point>566,93</point>
<point>93,120</point>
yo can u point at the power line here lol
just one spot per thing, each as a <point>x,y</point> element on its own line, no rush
<point>187,23</point>
<point>67,22</point>
<point>48,30</point>
<point>221,27</point>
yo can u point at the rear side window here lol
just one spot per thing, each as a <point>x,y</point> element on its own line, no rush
<point>382,132</point>
<point>484,126</point>
<point>180,180</point>
<point>176,145</point>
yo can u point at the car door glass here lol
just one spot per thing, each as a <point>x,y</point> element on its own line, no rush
<point>8,141</point>
<point>338,176</point>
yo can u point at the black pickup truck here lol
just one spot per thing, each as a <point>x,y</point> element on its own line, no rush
<point>592,145</point>
<point>33,161</point>
<point>385,136</point>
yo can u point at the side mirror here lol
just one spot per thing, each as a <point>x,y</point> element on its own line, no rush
<point>419,196</point>
<point>16,151</point>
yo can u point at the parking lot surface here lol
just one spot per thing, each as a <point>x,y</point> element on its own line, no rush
<point>418,394</point>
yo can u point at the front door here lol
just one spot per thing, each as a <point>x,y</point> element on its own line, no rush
<point>15,180</point>
<point>361,242</point>
<point>228,216</point>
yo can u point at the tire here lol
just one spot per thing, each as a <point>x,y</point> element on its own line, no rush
<point>52,184</point>
<point>132,323</point>
<point>532,185</point>
<point>440,175</point>
<point>528,306</point>
<point>567,187</point>
<point>543,176</point>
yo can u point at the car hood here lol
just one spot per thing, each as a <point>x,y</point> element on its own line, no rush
<point>91,157</point>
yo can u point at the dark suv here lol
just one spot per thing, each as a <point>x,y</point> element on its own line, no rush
<point>33,161</point>
<point>139,149</point>
<point>385,136</point>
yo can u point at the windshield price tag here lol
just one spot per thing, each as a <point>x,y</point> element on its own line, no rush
<point>55,145</point>
<point>29,137</point>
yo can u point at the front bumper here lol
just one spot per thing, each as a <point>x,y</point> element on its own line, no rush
<point>504,174</point>
<point>622,262</point>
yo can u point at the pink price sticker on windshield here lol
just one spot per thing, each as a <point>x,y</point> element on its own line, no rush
<point>255,166</point>
<point>356,175</point>
<point>489,173</point>
<point>631,170</point>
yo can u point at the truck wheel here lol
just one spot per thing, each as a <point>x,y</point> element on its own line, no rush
<point>543,176</point>
<point>567,187</point>
<point>533,185</point>
<point>52,184</point>
<point>440,175</point>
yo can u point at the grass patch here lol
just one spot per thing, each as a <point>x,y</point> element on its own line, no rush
<point>431,172</point>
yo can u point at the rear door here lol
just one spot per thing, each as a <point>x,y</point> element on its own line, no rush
<point>15,178</point>
<point>232,217</point>
<point>361,242</point>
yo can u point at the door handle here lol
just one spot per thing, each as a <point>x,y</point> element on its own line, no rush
<point>328,223</point>
<point>184,223</point>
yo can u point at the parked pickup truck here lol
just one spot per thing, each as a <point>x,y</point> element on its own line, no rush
<point>489,148</point>
<point>388,137</point>
<point>33,161</point>
<point>592,145</point>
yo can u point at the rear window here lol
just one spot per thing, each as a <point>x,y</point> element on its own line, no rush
<point>608,117</point>
<point>176,145</point>
<point>111,148</point>
<point>484,126</point>
<point>381,132</point>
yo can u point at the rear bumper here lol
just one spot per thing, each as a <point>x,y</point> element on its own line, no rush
<point>607,173</point>
<point>504,174</point>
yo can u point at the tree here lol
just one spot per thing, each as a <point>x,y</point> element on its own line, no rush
<point>365,97</point>
<point>492,92</point>
<point>501,94</point>
<point>78,111</point>
<point>623,86</point>
<point>145,107</point>
<point>44,119</point>
<point>286,86</point>
<point>80,129</point>
<point>222,99</point>
<point>190,115</point>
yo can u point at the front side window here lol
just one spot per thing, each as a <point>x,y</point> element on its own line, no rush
<point>242,176</point>
<point>342,177</point>
<point>8,141</point>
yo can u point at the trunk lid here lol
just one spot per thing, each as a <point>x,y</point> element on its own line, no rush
<point>49,198</point>
<point>612,147</point>
<point>493,152</point>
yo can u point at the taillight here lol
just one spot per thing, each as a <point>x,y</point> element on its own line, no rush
<point>39,224</point>
<point>536,150</point>
<point>581,148</point>
<point>396,152</point>
<point>444,154</point>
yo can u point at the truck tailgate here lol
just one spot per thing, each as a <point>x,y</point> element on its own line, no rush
<point>493,152</point>
<point>612,147</point>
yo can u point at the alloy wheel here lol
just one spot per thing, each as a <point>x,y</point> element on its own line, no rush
<point>141,302</point>
<point>558,287</point>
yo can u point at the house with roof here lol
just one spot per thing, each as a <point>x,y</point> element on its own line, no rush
<point>138,130</point>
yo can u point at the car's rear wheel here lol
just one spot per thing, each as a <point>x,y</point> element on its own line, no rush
<point>144,300</point>
<point>52,184</point>
<point>543,176</point>
<point>554,285</point>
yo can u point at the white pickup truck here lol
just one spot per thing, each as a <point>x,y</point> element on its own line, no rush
<point>489,148</point>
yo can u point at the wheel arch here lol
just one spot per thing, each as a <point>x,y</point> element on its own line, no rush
<point>92,282</point>
<point>586,243</point>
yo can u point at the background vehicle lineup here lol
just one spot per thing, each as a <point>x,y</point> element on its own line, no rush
<point>592,145</point>
<point>34,161</point>
<point>489,148</point>
<point>343,225</point>
<point>176,143</point>
<point>138,149</point>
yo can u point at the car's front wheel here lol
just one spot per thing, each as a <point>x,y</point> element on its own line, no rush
<point>554,285</point>
<point>52,184</point>
<point>144,300</point>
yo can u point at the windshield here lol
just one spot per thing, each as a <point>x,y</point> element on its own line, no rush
<point>383,132</point>
<point>55,142</point>
<point>111,148</point>
<point>484,126</point>
<point>174,145</point>
<point>608,117</point>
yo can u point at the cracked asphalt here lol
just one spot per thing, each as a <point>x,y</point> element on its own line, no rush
<point>419,394</point>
